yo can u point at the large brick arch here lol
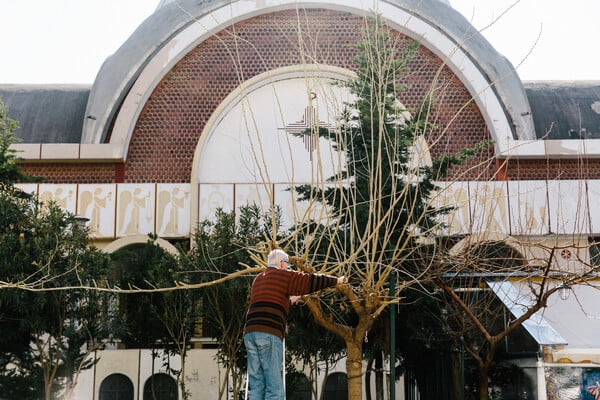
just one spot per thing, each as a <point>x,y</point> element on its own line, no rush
<point>167,131</point>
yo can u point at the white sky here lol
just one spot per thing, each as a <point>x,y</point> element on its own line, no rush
<point>569,35</point>
<point>66,41</point>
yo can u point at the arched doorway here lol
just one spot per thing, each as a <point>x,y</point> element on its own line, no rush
<point>116,387</point>
<point>336,387</point>
<point>160,387</point>
<point>297,387</point>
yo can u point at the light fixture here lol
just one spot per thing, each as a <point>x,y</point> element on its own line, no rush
<point>80,222</point>
<point>564,290</point>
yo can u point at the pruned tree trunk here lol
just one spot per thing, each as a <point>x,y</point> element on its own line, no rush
<point>353,336</point>
<point>354,369</point>
<point>483,384</point>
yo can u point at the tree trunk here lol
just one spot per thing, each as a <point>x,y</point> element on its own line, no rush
<point>483,383</point>
<point>184,392</point>
<point>354,369</point>
<point>456,377</point>
<point>353,337</point>
<point>325,375</point>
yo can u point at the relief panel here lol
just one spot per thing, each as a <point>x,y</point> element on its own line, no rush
<point>528,205</point>
<point>173,209</point>
<point>97,202</point>
<point>65,195</point>
<point>458,220</point>
<point>568,207</point>
<point>135,209</point>
<point>214,196</point>
<point>489,207</point>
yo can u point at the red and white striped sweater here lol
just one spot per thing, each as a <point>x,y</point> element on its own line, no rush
<point>270,297</point>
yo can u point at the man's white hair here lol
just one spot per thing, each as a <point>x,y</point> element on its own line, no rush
<point>275,256</point>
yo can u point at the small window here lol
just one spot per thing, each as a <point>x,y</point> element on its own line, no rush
<point>594,251</point>
<point>116,387</point>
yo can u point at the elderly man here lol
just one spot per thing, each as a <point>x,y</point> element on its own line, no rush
<point>266,321</point>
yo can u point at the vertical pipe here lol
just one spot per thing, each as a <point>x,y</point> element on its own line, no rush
<point>541,380</point>
<point>393,337</point>
<point>462,368</point>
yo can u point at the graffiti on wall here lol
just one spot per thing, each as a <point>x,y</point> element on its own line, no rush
<point>572,383</point>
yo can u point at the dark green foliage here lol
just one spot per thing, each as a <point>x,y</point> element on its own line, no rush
<point>221,247</point>
<point>383,209</point>
<point>40,248</point>
<point>42,254</point>
<point>155,314</point>
<point>20,377</point>
<point>10,172</point>
<point>151,317</point>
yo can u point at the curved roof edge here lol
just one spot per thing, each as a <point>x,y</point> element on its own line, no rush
<point>120,71</point>
<point>51,113</point>
<point>501,74</point>
<point>565,109</point>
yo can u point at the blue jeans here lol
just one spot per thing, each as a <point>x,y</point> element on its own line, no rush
<point>265,366</point>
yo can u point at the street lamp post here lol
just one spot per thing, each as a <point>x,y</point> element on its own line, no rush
<point>393,336</point>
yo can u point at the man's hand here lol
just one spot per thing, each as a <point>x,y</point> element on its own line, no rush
<point>295,300</point>
<point>342,280</point>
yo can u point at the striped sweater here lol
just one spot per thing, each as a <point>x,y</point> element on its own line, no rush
<point>270,297</point>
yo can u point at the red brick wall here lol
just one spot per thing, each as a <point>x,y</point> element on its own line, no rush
<point>167,132</point>
<point>174,116</point>
<point>72,172</point>
<point>553,169</point>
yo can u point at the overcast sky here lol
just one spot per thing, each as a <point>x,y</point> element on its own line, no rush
<point>66,41</point>
<point>544,39</point>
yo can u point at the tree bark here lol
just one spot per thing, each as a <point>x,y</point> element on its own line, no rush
<point>483,383</point>
<point>352,336</point>
<point>354,369</point>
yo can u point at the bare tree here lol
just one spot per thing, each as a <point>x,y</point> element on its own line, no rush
<point>376,209</point>
<point>478,288</point>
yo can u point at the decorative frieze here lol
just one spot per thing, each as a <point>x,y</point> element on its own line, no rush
<point>520,208</point>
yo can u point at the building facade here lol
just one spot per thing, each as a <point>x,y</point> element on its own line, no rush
<point>197,110</point>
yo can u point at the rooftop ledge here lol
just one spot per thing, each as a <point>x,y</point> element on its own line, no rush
<point>69,152</point>
<point>566,148</point>
<point>83,152</point>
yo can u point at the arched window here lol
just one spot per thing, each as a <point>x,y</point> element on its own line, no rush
<point>297,387</point>
<point>336,387</point>
<point>160,387</point>
<point>116,387</point>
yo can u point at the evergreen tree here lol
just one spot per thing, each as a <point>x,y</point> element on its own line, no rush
<point>10,172</point>
<point>379,202</point>
<point>48,328</point>
<point>220,247</point>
